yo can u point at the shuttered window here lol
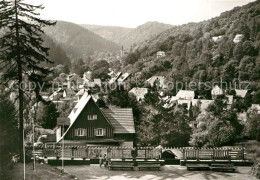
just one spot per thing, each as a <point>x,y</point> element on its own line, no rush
<point>100,132</point>
<point>80,132</point>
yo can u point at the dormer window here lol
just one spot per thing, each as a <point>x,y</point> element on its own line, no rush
<point>92,117</point>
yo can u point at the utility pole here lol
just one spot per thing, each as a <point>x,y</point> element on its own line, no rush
<point>63,149</point>
<point>23,157</point>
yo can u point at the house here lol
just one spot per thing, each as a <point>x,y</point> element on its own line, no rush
<point>73,80</point>
<point>242,93</point>
<point>255,107</point>
<point>68,93</point>
<point>139,93</point>
<point>216,91</point>
<point>114,79</point>
<point>123,78</point>
<point>160,54</point>
<point>95,82</point>
<point>203,104</point>
<point>216,38</point>
<point>158,80</point>
<point>88,124</point>
<point>185,95</point>
<point>238,38</point>
<point>57,94</point>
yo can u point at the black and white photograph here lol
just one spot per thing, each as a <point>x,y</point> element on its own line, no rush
<point>129,89</point>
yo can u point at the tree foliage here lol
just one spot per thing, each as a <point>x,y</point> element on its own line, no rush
<point>49,117</point>
<point>217,126</point>
<point>21,48</point>
<point>162,126</point>
<point>8,133</point>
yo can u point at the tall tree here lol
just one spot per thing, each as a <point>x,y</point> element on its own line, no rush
<point>21,49</point>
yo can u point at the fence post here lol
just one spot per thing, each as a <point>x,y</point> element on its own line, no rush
<point>183,154</point>
<point>213,154</point>
<point>122,153</point>
<point>243,153</point>
<point>229,157</point>
<point>197,154</point>
<point>86,152</point>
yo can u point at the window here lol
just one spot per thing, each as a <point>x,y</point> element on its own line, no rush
<point>92,117</point>
<point>100,132</point>
<point>80,132</point>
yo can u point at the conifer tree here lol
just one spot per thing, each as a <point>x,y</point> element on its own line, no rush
<point>21,49</point>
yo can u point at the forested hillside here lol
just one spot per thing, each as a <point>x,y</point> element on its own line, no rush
<point>56,53</point>
<point>129,36</point>
<point>192,54</point>
<point>112,33</point>
<point>78,41</point>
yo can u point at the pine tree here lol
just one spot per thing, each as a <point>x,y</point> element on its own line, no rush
<point>21,49</point>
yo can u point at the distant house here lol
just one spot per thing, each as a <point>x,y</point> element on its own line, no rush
<point>139,93</point>
<point>156,80</point>
<point>88,124</point>
<point>242,94</point>
<point>160,54</point>
<point>255,107</point>
<point>216,91</point>
<point>69,93</point>
<point>114,79</point>
<point>62,93</point>
<point>216,38</point>
<point>185,95</point>
<point>238,38</point>
<point>203,104</point>
<point>123,78</point>
<point>111,73</point>
<point>95,82</point>
<point>73,80</point>
<point>57,94</point>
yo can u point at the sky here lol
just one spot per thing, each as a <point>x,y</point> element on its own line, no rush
<point>131,13</point>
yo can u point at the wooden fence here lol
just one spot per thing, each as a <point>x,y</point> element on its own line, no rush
<point>92,152</point>
<point>187,153</point>
<point>214,154</point>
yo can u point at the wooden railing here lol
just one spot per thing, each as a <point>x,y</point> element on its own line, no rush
<point>187,153</point>
<point>214,153</point>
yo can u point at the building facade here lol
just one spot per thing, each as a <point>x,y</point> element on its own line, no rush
<point>88,124</point>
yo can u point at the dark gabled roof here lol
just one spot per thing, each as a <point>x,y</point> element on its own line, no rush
<point>121,119</point>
